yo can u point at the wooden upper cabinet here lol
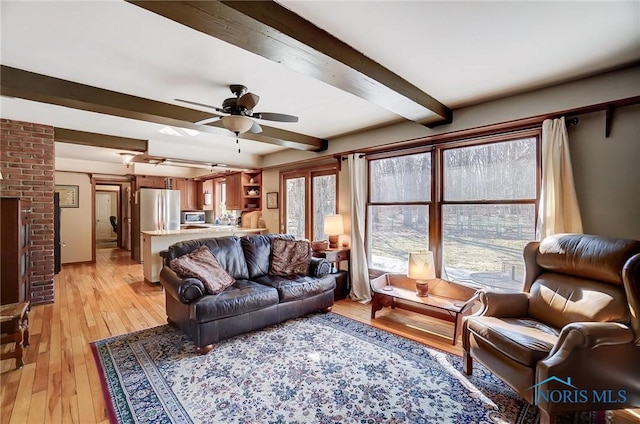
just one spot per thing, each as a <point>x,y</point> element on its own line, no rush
<point>145,181</point>
<point>234,191</point>
<point>188,193</point>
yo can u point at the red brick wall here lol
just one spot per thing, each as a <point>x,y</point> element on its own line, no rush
<point>27,163</point>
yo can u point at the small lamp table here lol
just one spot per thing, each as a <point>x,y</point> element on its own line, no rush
<point>14,324</point>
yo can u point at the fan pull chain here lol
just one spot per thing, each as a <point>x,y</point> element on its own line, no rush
<point>237,142</point>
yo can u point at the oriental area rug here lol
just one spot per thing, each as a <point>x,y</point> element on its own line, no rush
<point>321,368</point>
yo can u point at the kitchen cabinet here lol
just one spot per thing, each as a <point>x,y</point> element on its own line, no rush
<point>15,257</point>
<point>145,181</point>
<point>244,191</point>
<point>234,191</point>
<point>188,193</point>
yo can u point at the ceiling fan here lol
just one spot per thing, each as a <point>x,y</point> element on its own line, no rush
<point>239,111</point>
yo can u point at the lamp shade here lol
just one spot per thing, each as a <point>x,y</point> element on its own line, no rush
<point>421,266</point>
<point>333,225</point>
<point>237,124</point>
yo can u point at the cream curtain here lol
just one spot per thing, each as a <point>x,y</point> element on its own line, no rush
<point>360,289</point>
<point>558,210</point>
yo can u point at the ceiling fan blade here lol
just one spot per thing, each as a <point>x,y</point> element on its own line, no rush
<point>281,117</point>
<point>208,120</point>
<point>248,100</point>
<point>216,108</point>
<point>255,128</point>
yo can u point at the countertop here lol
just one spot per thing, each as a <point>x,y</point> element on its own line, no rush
<point>204,229</point>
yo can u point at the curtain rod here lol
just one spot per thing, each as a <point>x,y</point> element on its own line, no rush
<point>518,125</point>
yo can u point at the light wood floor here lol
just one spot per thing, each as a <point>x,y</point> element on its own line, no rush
<point>59,382</point>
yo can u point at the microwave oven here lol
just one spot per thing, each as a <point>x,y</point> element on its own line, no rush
<point>192,217</point>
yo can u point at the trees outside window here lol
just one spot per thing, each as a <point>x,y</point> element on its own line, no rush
<point>476,216</point>
<point>310,190</point>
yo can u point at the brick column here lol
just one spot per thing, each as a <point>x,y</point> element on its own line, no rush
<point>27,163</point>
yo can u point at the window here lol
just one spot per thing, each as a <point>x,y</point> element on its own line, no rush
<point>399,209</point>
<point>475,210</point>
<point>488,211</point>
<point>313,190</point>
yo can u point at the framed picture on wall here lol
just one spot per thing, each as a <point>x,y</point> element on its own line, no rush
<point>272,200</point>
<point>68,196</point>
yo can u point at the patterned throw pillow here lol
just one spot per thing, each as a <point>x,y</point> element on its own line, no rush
<point>290,257</point>
<point>201,264</point>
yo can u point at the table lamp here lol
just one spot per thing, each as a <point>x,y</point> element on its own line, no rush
<point>421,268</point>
<point>333,227</point>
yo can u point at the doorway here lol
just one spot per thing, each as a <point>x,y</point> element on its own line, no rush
<point>106,217</point>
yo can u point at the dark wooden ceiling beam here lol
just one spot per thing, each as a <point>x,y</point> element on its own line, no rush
<point>274,32</point>
<point>85,138</point>
<point>42,88</point>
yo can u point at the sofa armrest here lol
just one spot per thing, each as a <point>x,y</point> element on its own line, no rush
<point>503,304</point>
<point>590,335</point>
<point>319,267</point>
<point>597,356</point>
<point>185,290</point>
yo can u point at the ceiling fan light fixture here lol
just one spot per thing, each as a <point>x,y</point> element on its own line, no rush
<point>237,123</point>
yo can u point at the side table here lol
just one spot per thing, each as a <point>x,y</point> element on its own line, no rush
<point>343,279</point>
<point>447,300</point>
<point>14,324</point>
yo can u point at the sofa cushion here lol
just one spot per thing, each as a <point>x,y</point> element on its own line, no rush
<point>227,251</point>
<point>257,252</point>
<point>295,287</point>
<point>524,340</point>
<point>289,257</point>
<point>242,297</point>
<point>201,264</point>
<point>560,299</point>
<point>588,256</point>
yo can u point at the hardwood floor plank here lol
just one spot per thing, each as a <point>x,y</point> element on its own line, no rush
<point>20,413</point>
<point>60,382</point>
<point>37,408</point>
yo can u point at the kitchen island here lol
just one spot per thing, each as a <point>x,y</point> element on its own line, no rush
<point>153,242</point>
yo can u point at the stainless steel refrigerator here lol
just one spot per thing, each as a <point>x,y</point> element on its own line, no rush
<point>154,209</point>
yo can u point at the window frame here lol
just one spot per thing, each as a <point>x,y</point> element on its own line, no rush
<point>308,175</point>
<point>437,201</point>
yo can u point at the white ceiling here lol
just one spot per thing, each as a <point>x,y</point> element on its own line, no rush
<point>460,53</point>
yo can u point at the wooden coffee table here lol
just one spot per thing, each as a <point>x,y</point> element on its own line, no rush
<point>447,300</point>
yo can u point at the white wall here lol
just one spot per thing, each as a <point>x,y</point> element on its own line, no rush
<point>76,223</point>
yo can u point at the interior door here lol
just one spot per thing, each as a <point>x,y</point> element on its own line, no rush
<point>104,231</point>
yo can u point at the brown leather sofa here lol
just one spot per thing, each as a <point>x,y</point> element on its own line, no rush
<point>256,299</point>
<point>570,341</point>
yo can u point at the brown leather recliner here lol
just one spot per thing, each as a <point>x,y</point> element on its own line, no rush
<point>570,341</point>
